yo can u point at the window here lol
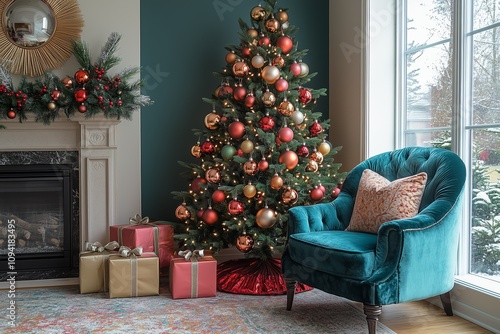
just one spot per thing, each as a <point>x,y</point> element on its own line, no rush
<point>450,73</point>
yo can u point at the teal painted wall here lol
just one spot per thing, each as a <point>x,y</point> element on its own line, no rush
<point>182,44</point>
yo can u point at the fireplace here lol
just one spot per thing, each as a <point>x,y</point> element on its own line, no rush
<point>39,196</point>
<point>89,146</point>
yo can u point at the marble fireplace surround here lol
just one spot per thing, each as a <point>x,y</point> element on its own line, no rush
<point>95,141</point>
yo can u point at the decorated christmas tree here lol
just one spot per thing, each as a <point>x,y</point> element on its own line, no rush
<point>263,149</point>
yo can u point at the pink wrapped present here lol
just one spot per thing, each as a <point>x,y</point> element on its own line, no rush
<point>193,275</point>
<point>157,237</point>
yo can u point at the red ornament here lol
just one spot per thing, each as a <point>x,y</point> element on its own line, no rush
<point>285,43</point>
<point>199,213</point>
<point>208,147</point>
<point>249,100</point>
<point>11,114</point>
<point>224,91</point>
<point>235,207</point>
<point>263,165</point>
<point>67,82</point>
<point>264,41</point>
<point>322,188</point>
<point>303,151</point>
<point>295,69</point>
<point>210,216</point>
<point>315,129</point>
<point>55,94</point>
<point>305,95</point>
<point>289,158</point>
<point>82,77</point>
<point>246,52</point>
<point>239,93</point>
<point>316,194</point>
<point>80,95</point>
<point>197,183</point>
<point>218,196</point>
<point>281,85</point>
<point>335,192</point>
<point>285,134</point>
<point>82,108</point>
<point>236,129</point>
<point>267,123</point>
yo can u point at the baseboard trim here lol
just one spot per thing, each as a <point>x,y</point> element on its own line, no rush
<point>41,283</point>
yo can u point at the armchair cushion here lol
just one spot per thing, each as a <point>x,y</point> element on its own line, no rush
<point>378,200</point>
<point>340,253</point>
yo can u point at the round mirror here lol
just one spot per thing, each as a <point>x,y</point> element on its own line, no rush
<point>36,35</point>
<point>29,23</point>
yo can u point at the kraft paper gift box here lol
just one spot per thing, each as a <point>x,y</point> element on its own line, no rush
<point>94,267</point>
<point>133,273</point>
<point>193,275</point>
<point>155,237</point>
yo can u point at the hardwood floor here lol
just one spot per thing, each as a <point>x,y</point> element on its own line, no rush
<point>425,318</point>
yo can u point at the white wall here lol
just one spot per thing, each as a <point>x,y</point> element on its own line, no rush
<point>101,19</point>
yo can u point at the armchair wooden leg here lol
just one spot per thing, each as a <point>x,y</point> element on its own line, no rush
<point>290,292</point>
<point>372,312</point>
<point>446,301</point>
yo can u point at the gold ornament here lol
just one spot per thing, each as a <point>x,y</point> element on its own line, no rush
<point>279,61</point>
<point>318,157</point>
<point>249,191</point>
<point>272,25</point>
<point>324,148</point>
<point>276,182</point>
<point>51,106</point>
<point>240,69</point>
<point>244,243</point>
<point>286,108</point>
<point>212,121</point>
<point>231,57</point>
<point>290,196</point>
<point>268,98</point>
<point>213,175</point>
<point>258,13</point>
<point>196,150</point>
<point>250,167</point>
<point>266,218</point>
<point>182,212</point>
<point>312,166</point>
<point>247,146</point>
<point>282,16</point>
<point>67,82</point>
<point>252,32</point>
<point>271,74</point>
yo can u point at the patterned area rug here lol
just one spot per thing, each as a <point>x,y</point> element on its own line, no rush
<point>64,310</point>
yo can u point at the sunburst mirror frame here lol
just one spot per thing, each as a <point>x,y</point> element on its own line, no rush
<point>36,60</point>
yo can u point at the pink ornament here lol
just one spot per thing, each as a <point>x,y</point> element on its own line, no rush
<point>317,194</point>
<point>295,69</point>
<point>239,93</point>
<point>285,134</point>
<point>281,85</point>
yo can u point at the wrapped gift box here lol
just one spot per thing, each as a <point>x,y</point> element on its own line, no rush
<point>94,267</point>
<point>134,276</point>
<point>193,278</point>
<point>155,237</point>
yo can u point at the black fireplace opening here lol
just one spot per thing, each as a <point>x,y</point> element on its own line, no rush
<point>38,200</point>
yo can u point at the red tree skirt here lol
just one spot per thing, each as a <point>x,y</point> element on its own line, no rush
<point>252,276</point>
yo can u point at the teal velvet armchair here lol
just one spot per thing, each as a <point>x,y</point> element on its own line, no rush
<point>408,259</point>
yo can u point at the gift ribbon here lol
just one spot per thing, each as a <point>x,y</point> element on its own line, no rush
<point>125,251</point>
<point>97,247</point>
<point>193,257</point>
<point>137,220</point>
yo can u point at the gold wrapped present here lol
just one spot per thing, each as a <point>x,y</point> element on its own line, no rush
<point>133,273</point>
<point>94,266</point>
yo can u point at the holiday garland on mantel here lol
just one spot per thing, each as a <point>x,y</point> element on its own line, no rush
<point>91,90</point>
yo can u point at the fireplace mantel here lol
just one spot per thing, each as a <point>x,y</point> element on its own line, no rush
<point>95,140</point>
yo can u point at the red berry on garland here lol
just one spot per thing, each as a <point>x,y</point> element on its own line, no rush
<point>119,103</point>
<point>82,77</point>
<point>82,108</point>
<point>11,114</point>
<point>305,95</point>
<point>80,95</point>
<point>315,129</point>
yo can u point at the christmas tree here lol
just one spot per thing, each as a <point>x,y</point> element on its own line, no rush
<point>263,149</point>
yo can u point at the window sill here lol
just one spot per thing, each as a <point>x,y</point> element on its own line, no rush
<point>480,284</point>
